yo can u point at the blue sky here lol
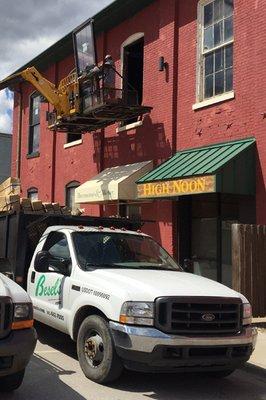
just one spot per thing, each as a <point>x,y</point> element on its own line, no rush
<point>30,26</point>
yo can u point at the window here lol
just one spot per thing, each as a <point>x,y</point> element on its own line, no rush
<point>70,194</point>
<point>32,194</point>
<point>72,137</point>
<point>132,61</point>
<point>34,131</point>
<point>116,250</point>
<point>216,48</point>
<point>59,253</point>
<point>131,211</point>
<point>57,246</point>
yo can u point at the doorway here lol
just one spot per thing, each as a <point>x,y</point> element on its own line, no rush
<point>205,232</point>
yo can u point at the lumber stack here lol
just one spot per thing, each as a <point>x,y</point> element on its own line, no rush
<point>11,201</point>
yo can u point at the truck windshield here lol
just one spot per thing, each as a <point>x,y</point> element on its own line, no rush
<point>120,250</point>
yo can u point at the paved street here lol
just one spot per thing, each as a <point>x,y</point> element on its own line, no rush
<point>54,373</point>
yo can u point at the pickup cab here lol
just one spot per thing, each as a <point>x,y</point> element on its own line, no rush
<point>128,304</point>
<point>17,335</point>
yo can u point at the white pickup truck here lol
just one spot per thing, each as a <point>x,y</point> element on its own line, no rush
<point>17,335</point>
<point>123,299</point>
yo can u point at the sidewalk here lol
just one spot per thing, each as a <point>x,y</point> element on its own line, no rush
<point>258,358</point>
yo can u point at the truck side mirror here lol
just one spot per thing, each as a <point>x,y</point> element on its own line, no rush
<point>41,262</point>
<point>188,265</point>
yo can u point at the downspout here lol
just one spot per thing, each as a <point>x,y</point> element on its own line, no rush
<point>18,160</point>
<point>175,222</point>
<point>101,166</point>
<point>103,129</point>
<point>54,145</point>
<point>175,79</point>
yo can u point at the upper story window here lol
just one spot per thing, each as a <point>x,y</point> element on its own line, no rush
<point>216,48</point>
<point>73,137</point>
<point>132,57</point>
<point>34,126</point>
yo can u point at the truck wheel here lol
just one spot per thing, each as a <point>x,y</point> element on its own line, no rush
<point>96,351</point>
<point>11,382</point>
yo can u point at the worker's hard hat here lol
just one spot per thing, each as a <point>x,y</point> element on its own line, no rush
<point>108,57</point>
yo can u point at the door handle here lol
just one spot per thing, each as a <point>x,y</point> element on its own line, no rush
<point>32,279</point>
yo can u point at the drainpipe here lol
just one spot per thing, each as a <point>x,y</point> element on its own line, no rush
<point>175,222</point>
<point>54,145</point>
<point>101,166</point>
<point>103,130</point>
<point>175,79</point>
<point>18,160</point>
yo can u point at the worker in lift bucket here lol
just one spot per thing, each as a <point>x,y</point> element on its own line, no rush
<point>109,77</point>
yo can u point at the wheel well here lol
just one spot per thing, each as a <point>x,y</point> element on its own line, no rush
<point>83,313</point>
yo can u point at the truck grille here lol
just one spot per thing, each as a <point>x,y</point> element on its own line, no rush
<point>198,315</point>
<point>6,311</point>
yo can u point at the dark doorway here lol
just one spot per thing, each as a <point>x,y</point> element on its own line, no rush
<point>205,229</point>
<point>133,73</point>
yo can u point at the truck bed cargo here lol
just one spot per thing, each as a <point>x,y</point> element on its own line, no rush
<point>20,233</point>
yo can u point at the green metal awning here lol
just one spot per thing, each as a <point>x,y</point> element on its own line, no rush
<point>224,167</point>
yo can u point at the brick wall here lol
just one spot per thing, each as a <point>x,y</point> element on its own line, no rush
<point>170,30</point>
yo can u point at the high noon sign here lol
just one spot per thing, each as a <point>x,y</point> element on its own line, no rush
<point>180,187</point>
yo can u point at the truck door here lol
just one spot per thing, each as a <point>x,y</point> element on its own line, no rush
<point>49,291</point>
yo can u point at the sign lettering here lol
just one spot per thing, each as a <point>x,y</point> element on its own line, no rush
<point>42,290</point>
<point>180,187</point>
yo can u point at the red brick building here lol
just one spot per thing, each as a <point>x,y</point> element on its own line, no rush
<point>208,89</point>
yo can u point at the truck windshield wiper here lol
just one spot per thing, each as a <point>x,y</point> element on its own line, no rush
<point>92,266</point>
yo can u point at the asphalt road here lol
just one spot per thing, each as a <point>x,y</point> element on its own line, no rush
<point>54,374</point>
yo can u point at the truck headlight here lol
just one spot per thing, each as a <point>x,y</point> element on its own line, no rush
<point>137,313</point>
<point>247,314</point>
<point>22,316</point>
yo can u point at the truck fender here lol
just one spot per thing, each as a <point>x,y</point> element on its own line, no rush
<point>84,307</point>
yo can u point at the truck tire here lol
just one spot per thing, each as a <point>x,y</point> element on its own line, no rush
<point>96,351</point>
<point>11,382</point>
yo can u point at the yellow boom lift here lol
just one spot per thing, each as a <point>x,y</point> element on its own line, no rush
<point>83,101</point>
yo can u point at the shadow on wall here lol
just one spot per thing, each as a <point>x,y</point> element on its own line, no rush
<point>148,142</point>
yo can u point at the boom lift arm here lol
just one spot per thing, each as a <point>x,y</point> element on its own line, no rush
<point>47,89</point>
<point>83,101</point>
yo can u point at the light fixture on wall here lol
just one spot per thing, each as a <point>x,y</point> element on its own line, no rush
<point>162,64</point>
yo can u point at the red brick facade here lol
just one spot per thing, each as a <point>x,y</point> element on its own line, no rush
<point>170,30</point>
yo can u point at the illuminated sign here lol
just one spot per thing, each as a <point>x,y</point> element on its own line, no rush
<point>180,187</point>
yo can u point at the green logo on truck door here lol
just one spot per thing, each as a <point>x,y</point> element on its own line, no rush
<point>43,290</point>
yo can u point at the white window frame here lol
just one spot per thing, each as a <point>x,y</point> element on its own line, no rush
<point>200,100</point>
<point>130,40</point>
<point>30,151</point>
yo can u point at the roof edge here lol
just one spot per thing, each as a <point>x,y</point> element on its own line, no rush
<point>106,19</point>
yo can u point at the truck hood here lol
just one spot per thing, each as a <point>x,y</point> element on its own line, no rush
<point>147,285</point>
<point>9,288</point>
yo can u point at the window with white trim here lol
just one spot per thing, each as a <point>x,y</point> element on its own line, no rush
<point>216,48</point>
<point>34,124</point>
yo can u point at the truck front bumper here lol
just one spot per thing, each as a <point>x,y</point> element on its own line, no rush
<point>16,350</point>
<point>148,349</point>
